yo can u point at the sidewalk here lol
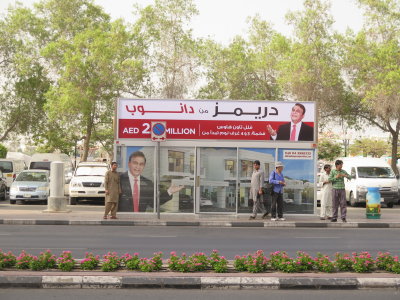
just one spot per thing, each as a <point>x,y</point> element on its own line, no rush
<point>92,215</point>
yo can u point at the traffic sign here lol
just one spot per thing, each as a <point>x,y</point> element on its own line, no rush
<point>158,131</point>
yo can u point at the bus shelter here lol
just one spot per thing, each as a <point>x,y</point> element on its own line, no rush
<point>200,154</point>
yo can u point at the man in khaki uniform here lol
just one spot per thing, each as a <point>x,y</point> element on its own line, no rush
<point>113,190</point>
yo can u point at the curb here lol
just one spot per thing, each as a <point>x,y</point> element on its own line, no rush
<point>271,224</point>
<point>193,282</point>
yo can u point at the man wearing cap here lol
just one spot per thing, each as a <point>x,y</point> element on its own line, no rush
<point>256,190</point>
<point>278,182</point>
<point>113,190</point>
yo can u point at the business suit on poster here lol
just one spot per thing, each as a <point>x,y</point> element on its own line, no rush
<point>133,182</point>
<point>295,130</point>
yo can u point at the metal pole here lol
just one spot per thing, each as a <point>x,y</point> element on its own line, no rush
<point>158,180</point>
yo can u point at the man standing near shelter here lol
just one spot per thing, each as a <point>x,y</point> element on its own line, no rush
<point>338,191</point>
<point>278,182</point>
<point>113,190</point>
<point>296,129</point>
<point>256,189</point>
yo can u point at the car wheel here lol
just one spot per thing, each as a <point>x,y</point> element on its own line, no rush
<point>13,201</point>
<point>353,200</point>
<point>72,201</point>
<point>390,205</point>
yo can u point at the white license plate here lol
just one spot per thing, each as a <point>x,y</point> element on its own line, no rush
<point>27,195</point>
<point>91,192</point>
<point>382,200</point>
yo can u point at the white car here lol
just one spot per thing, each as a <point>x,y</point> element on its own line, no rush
<point>88,182</point>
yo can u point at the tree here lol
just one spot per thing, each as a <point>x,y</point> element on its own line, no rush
<point>24,81</point>
<point>92,60</point>
<point>172,51</point>
<point>247,68</point>
<point>373,69</point>
<point>311,70</point>
<point>3,151</point>
<point>329,150</point>
<point>369,147</point>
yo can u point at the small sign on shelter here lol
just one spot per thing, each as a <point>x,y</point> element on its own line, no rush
<point>158,131</point>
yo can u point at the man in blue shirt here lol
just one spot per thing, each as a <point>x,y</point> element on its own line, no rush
<point>278,181</point>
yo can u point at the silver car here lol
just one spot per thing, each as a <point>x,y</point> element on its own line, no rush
<point>30,185</point>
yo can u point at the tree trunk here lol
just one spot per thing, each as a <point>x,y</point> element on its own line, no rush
<point>89,129</point>
<point>395,141</point>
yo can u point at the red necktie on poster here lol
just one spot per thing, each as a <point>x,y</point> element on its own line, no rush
<point>293,134</point>
<point>135,196</point>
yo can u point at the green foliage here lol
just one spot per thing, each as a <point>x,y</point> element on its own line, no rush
<point>3,151</point>
<point>369,147</point>
<point>328,150</point>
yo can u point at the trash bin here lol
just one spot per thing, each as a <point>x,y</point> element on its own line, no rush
<point>373,203</point>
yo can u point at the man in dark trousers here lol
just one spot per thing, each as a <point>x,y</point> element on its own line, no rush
<point>295,130</point>
<point>137,190</point>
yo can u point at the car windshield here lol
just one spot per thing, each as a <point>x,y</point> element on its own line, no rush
<point>41,165</point>
<point>6,166</point>
<point>91,171</point>
<point>32,176</point>
<point>375,172</point>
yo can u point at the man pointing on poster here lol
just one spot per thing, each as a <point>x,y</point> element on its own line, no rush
<point>295,130</point>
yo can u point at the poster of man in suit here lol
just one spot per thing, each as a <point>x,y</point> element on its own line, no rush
<point>137,190</point>
<point>296,129</point>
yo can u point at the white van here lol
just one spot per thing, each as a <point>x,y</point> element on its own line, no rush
<point>11,168</point>
<point>42,161</point>
<point>369,172</point>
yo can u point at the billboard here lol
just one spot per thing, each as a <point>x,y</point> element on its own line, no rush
<point>217,119</point>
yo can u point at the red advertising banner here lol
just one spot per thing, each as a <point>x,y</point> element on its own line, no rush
<point>223,120</point>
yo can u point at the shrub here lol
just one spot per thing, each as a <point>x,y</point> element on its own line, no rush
<point>343,262</point>
<point>45,260</point>
<point>111,262</point>
<point>384,261</point>
<point>240,263</point>
<point>217,262</point>
<point>256,262</point>
<point>304,262</point>
<point>362,262</point>
<point>7,260</point>
<point>66,262</point>
<point>395,268</point>
<point>90,262</point>
<point>131,262</point>
<point>23,260</point>
<point>181,264</point>
<point>323,264</point>
<point>199,261</point>
<point>279,260</point>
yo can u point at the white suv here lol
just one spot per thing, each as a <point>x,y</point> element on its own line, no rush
<point>88,182</point>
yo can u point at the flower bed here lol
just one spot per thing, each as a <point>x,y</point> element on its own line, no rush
<point>257,262</point>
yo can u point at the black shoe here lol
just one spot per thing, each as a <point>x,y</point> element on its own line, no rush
<point>344,221</point>
<point>334,220</point>
<point>265,215</point>
<point>252,218</point>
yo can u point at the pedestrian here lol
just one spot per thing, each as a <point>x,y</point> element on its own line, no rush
<point>113,190</point>
<point>256,190</point>
<point>326,194</point>
<point>278,182</point>
<point>338,192</point>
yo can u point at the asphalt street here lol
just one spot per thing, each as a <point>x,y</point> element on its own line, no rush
<point>229,241</point>
<point>173,294</point>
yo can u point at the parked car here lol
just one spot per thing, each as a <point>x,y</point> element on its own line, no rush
<point>88,182</point>
<point>370,172</point>
<point>11,168</point>
<point>30,185</point>
<point>3,187</point>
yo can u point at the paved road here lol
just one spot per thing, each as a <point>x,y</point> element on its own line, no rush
<point>163,294</point>
<point>229,241</point>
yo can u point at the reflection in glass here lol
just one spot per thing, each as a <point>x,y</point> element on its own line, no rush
<point>217,180</point>
<point>177,170</point>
